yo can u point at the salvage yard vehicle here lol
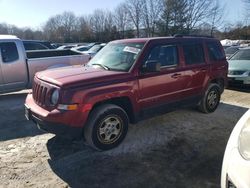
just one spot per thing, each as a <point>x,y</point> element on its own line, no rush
<point>126,81</point>
<point>236,162</point>
<point>239,67</point>
<point>94,50</point>
<point>18,67</point>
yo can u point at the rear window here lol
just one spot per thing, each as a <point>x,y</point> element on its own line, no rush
<point>215,52</point>
<point>9,52</point>
<point>34,46</point>
<point>193,54</point>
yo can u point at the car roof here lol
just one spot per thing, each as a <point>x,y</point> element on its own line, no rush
<point>8,37</point>
<point>139,40</point>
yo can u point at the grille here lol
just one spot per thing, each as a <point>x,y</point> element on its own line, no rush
<point>39,93</point>
<point>236,72</point>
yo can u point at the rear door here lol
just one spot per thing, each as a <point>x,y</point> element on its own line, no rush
<point>197,69</point>
<point>166,86</point>
<point>217,58</point>
<point>13,66</point>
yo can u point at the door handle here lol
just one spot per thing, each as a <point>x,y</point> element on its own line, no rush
<point>176,75</point>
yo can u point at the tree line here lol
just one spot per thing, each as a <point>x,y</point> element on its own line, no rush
<point>137,18</point>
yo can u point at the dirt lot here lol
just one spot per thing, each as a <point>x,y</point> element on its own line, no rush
<point>180,149</point>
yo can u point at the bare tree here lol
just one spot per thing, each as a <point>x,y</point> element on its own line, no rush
<point>121,19</point>
<point>61,27</point>
<point>216,15</point>
<point>197,11</point>
<point>152,11</point>
<point>85,32</point>
<point>134,10</point>
<point>174,17</point>
<point>102,24</point>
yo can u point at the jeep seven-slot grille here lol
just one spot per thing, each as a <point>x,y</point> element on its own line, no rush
<point>39,93</point>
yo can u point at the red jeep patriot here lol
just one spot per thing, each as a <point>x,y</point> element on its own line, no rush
<point>126,81</point>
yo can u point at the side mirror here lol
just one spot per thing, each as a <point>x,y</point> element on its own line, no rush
<point>152,66</point>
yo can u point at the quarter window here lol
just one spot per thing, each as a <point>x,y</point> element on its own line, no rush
<point>9,52</point>
<point>215,52</point>
<point>193,54</point>
<point>167,55</point>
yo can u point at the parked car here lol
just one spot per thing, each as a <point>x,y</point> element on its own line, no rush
<point>126,81</point>
<point>86,47</point>
<point>93,50</point>
<point>236,162</point>
<point>37,45</point>
<point>18,67</point>
<point>81,49</point>
<point>65,47</point>
<point>239,67</point>
<point>231,50</point>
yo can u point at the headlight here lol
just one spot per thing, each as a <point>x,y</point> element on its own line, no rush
<point>54,97</point>
<point>244,140</point>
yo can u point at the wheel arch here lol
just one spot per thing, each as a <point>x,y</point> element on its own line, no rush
<point>124,102</point>
<point>220,82</point>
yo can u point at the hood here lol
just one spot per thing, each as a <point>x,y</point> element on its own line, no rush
<point>239,64</point>
<point>79,75</point>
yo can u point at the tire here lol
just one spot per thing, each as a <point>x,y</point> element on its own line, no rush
<point>106,127</point>
<point>211,99</point>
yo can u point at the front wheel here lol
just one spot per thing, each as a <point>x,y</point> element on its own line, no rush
<point>211,99</point>
<point>107,127</point>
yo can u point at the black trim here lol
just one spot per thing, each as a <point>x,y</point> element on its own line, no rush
<point>167,107</point>
<point>57,129</point>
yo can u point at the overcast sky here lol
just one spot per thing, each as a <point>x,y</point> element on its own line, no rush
<point>34,13</point>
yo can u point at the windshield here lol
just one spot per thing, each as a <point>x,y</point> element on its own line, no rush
<point>117,56</point>
<point>231,50</point>
<point>243,54</point>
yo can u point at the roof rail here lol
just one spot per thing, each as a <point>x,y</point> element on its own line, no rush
<point>186,35</point>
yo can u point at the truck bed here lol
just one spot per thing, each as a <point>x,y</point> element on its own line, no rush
<point>49,59</point>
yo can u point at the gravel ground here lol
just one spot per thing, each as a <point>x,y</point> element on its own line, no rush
<point>182,149</point>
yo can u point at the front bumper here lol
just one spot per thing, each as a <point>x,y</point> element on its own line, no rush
<point>235,170</point>
<point>64,123</point>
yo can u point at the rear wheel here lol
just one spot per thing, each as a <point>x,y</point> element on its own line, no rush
<point>106,127</point>
<point>211,99</point>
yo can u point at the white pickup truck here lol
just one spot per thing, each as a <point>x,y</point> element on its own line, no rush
<point>18,67</point>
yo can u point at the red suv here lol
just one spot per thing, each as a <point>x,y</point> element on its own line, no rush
<point>126,81</point>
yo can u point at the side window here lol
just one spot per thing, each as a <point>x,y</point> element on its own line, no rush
<point>167,55</point>
<point>9,52</point>
<point>193,54</point>
<point>215,52</point>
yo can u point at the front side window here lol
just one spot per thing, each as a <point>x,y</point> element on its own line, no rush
<point>9,52</point>
<point>193,54</point>
<point>166,55</point>
<point>117,56</point>
<point>215,52</point>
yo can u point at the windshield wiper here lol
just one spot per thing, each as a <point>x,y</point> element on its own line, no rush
<point>101,65</point>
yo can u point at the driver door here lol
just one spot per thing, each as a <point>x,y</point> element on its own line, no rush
<point>167,85</point>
